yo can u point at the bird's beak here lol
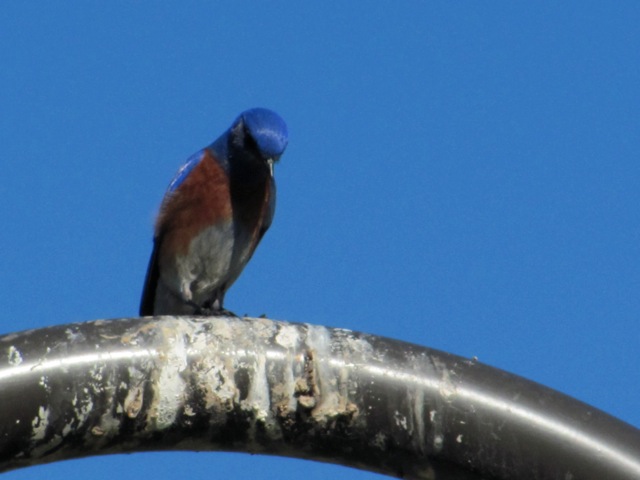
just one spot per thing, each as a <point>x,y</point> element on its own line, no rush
<point>270,162</point>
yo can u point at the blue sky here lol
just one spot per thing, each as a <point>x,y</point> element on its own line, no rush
<point>461,175</point>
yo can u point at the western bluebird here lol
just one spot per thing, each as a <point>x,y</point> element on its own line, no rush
<point>214,213</point>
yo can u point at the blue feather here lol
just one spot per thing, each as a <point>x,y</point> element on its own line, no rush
<point>267,129</point>
<point>185,169</point>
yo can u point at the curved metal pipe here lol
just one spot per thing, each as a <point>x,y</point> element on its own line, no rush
<point>261,386</point>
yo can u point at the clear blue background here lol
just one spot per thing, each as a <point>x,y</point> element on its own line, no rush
<point>461,175</point>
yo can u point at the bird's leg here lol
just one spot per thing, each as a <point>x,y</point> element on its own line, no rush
<point>225,313</point>
<point>198,310</point>
<point>209,309</point>
<point>215,307</point>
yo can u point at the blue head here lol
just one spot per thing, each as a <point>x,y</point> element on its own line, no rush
<point>264,127</point>
<point>260,132</point>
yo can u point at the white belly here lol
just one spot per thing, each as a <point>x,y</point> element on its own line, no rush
<point>206,266</point>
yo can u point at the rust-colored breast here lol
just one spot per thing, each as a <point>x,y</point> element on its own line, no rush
<point>202,200</point>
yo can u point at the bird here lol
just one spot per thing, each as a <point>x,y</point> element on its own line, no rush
<point>214,213</point>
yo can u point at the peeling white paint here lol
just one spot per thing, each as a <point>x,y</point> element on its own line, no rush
<point>418,414</point>
<point>288,337</point>
<point>170,386</point>
<point>447,388</point>
<point>39,424</point>
<point>219,384</point>
<point>214,375</point>
<point>108,424</point>
<point>258,398</point>
<point>284,393</point>
<point>67,429</point>
<point>133,401</point>
<point>74,336</point>
<point>43,382</point>
<point>262,328</point>
<point>14,356</point>
<point>85,409</point>
<point>222,328</point>
<point>401,420</point>
<point>359,346</point>
<point>96,373</point>
<point>319,342</point>
<point>438,441</point>
<point>379,440</point>
<point>82,407</point>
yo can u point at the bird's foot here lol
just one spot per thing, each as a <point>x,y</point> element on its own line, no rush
<point>211,311</point>
<point>225,313</point>
<point>199,310</point>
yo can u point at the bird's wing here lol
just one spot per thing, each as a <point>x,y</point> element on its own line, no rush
<point>153,270</point>
<point>185,170</point>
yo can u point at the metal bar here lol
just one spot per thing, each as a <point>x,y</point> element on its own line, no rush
<point>261,386</point>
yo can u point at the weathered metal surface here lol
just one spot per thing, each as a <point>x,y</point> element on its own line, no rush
<point>260,386</point>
